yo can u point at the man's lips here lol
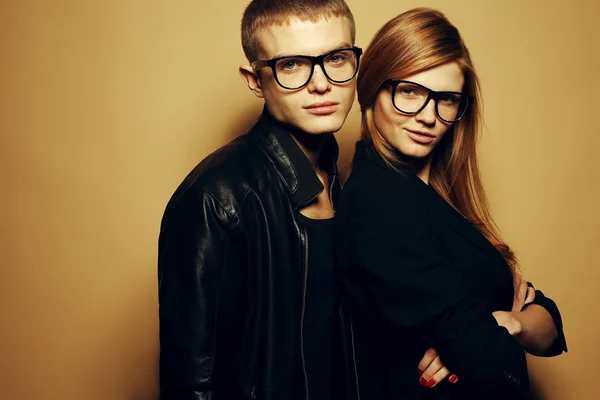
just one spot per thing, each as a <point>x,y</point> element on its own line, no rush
<point>322,108</point>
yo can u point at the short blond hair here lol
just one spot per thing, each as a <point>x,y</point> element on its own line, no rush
<point>262,13</point>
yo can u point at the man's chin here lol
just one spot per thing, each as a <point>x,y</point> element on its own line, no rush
<point>322,127</point>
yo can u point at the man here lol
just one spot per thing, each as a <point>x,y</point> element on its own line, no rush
<point>248,305</point>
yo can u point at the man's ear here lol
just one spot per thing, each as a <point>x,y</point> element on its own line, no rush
<point>249,75</point>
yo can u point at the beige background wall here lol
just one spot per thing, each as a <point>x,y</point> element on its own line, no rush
<point>106,105</point>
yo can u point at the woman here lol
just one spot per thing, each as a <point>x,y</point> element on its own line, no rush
<point>425,264</point>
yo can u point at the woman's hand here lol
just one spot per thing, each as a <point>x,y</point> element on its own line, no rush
<point>524,294</point>
<point>508,320</point>
<point>534,327</point>
<point>431,370</point>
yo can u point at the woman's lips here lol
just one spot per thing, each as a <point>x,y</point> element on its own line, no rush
<point>324,108</point>
<point>420,137</point>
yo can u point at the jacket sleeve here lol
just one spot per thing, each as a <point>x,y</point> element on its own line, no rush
<point>560,343</point>
<point>394,260</point>
<point>192,245</point>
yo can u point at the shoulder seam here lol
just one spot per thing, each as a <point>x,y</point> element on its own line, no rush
<point>232,217</point>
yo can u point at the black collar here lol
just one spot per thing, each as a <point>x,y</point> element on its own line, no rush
<point>367,151</point>
<point>290,162</point>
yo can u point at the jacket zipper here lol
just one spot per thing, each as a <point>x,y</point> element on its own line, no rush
<point>304,284</point>
<point>331,192</point>
<point>354,359</point>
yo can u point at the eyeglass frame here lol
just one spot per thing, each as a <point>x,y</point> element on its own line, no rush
<point>431,94</point>
<point>315,60</point>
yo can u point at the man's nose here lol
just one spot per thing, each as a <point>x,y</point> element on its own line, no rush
<point>318,82</point>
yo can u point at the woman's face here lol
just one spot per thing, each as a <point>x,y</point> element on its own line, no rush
<point>417,135</point>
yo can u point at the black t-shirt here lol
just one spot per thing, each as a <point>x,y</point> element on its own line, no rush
<point>319,307</point>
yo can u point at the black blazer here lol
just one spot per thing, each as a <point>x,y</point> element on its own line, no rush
<point>419,275</point>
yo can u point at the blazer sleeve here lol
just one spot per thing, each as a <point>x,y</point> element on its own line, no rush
<point>389,247</point>
<point>560,343</point>
<point>192,246</point>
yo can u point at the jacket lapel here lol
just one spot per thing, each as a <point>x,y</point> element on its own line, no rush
<point>442,211</point>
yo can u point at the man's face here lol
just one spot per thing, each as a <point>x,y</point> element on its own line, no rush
<point>320,106</point>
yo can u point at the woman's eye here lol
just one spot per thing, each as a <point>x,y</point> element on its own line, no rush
<point>449,99</point>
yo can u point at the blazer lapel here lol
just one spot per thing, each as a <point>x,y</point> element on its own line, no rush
<point>453,219</point>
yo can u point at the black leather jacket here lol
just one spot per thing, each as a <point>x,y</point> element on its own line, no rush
<point>232,274</point>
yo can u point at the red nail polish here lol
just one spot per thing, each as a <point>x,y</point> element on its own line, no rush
<point>419,372</point>
<point>430,383</point>
<point>453,379</point>
<point>422,381</point>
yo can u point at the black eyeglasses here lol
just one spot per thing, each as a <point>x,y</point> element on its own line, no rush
<point>294,72</point>
<point>411,98</point>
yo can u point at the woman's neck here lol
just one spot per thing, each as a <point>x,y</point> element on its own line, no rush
<point>423,173</point>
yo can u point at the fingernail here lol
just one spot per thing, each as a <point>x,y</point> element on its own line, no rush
<point>453,379</point>
<point>419,372</point>
<point>430,382</point>
<point>422,381</point>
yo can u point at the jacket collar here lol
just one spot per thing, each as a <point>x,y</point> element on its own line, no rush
<point>289,160</point>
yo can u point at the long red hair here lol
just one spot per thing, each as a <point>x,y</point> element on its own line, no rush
<point>410,43</point>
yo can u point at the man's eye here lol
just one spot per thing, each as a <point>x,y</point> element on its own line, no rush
<point>337,58</point>
<point>288,64</point>
<point>292,64</point>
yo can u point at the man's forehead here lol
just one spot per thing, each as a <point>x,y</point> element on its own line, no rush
<point>297,37</point>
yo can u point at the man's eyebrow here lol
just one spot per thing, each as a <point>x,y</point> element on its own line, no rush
<point>343,45</point>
